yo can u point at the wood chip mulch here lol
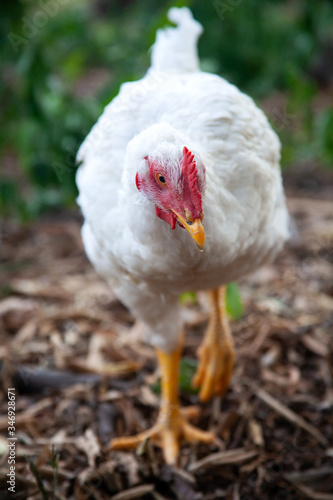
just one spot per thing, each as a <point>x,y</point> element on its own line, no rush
<point>62,330</point>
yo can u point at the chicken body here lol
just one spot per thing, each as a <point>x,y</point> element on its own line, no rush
<point>245,218</point>
<point>246,221</point>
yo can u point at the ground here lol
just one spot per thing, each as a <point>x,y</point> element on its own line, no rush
<point>61,326</point>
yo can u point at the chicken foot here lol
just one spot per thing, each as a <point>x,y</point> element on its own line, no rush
<point>172,427</point>
<point>216,353</point>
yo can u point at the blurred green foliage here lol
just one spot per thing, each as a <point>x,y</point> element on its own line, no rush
<point>49,47</point>
<point>234,304</point>
<point>188,298</point>
<point>187,370</point>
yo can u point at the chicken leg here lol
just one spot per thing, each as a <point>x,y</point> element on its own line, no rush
<point>172,427</point>
<point>216,353</point>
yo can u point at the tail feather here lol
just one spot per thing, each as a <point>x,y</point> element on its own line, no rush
<point>175,49</point>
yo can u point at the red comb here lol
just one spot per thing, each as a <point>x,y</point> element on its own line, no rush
<point>190,174</point>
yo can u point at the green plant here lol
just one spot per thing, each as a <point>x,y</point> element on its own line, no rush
<point>260,45</point>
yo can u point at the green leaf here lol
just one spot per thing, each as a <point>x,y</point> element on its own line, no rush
<point>188,298</point>
<point>188,367</point>
<point>234,305</point>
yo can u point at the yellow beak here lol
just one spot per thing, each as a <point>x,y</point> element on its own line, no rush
<point>195,229</point>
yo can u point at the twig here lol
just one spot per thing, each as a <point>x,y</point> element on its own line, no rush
<point>234,457</point>
<point>132,493</point>
<point>35,381</point>
<point>308,474</point>
<point>290,415</point>
<point>310,493</point>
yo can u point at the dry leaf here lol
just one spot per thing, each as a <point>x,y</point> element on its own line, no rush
<point>15,312</point>
<point>89,444</point>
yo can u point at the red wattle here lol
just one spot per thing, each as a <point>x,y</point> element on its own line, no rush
<point>166,215</point>
<point>137,181</point>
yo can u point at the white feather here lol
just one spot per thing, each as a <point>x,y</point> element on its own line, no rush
<point>180,43</point>
<point>246,221</point>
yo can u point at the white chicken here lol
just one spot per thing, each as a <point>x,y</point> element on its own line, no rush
<point>175,146</point>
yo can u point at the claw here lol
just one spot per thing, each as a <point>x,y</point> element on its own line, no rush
<point>170,432</point>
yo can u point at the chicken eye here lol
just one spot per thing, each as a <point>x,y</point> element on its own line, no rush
<point>161,179</point>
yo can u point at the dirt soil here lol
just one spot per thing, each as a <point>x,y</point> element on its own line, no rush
<point>81,374</point>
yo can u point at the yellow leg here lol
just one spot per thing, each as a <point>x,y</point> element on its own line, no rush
<point>172,427</point>
<point>216,353</point>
